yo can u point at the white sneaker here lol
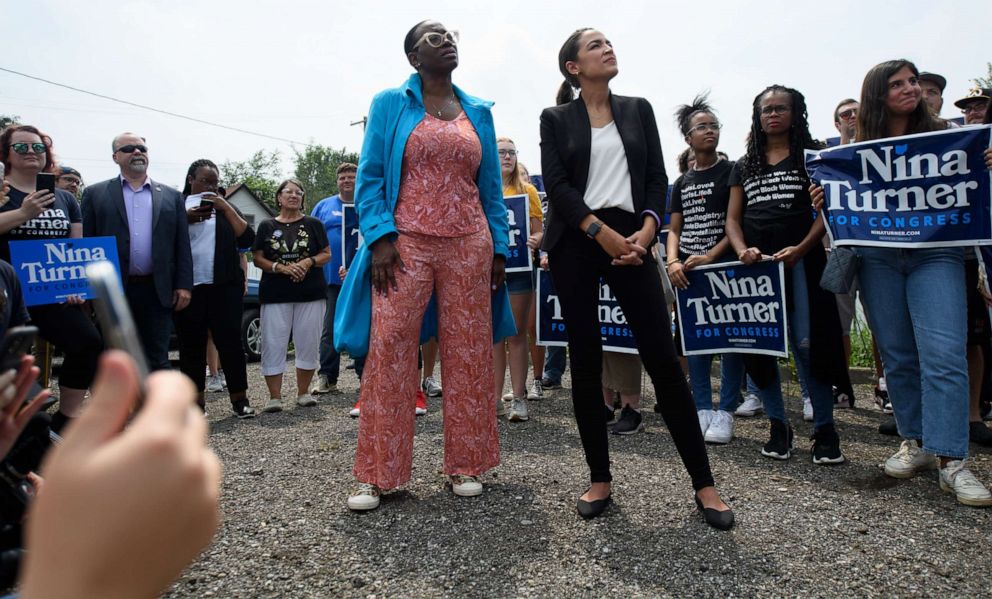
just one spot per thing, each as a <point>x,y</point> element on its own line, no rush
<point>536,391</point>
<point>705,418</point>
<point>223,379</point>
<point>365,498</point>
<point>214,384</point>
<point>751,406</point>
<point>507,397</point>
<point>909,460</point>
<point>431,387</point>
<point>306,401</point>
<point>956,478</point>
<point>465,486</point>
<point>807,409</point>
<point>501,407</point>
<point>273,405</point>
<point>721,429</point>
<point>518,410</point>
<point>321,385</point>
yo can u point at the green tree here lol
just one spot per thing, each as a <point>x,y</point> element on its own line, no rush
<point>262,173</point>
<point>6,120</point>
<point>985,81</point>
<point>316,168</point>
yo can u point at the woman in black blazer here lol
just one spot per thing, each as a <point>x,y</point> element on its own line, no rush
<point>605,177</point>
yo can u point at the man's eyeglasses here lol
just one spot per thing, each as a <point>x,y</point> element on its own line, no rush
<point>775,109</point>
<point>507,152</point>
<point>130,148</point>
<point>701,127</point>
<point>979,107</point>
<point>71,180</point>
<point>848,114</point>
<point>24,147</point>
<point>436,40</point>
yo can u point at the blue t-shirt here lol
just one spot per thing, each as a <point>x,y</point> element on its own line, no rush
<point>329,212</point>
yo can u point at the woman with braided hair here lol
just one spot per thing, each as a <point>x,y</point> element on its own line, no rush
<point>770,215</point>
<point>218,234</point>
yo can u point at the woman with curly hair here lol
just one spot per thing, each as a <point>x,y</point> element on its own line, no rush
<point>770,215</point>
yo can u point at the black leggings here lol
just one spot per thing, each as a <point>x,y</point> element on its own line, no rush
<point>216,308</point>
<point>577,263</point>
<point>72,330</point>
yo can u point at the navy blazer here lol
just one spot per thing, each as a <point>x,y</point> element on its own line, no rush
<point>566,142</point>
<point>104,215</point>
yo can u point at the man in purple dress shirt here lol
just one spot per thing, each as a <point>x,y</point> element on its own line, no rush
<point>149,221</point>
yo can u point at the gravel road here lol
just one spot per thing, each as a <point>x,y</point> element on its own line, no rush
<point>802,530</point>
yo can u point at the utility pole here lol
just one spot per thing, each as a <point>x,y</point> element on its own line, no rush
<point>362,122</point>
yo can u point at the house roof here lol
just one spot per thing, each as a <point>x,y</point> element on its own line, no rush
<point>241,186</point>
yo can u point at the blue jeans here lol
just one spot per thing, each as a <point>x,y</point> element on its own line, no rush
<point>330,360</point>
<point>919,309</point>
<point>730,382</point>
<point>554,363</point>
<point>820,392</point>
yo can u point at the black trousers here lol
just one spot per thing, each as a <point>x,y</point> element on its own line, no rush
<point>214,308</point>
<point>577,263</point>
<point>72,330</point>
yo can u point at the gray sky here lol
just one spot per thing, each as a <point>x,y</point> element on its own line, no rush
<point>304,70</point>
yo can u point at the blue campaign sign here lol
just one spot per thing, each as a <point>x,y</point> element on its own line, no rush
<point>733,308</point>
<point>925,190</point>
<point>616,334</point>
<point>518,258</point>
<point>351,237</point>
<point>50,270</point>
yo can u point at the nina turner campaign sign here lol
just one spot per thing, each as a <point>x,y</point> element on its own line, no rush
<point>924,190</point>
<point>518,258</point>
<point>50,270</point>
<point>613,327</point>
<point>351,237</point>
<point>733,308</point>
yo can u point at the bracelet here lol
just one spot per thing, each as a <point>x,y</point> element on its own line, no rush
<point>671,262</point>
<point>274,265</point>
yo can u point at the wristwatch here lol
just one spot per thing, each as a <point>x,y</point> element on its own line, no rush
<point>593,229</point>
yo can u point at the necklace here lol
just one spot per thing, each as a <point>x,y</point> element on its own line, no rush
<point>445,107</point>
<point>706,168</point>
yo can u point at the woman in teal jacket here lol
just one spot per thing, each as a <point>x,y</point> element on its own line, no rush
<point>430,209</point>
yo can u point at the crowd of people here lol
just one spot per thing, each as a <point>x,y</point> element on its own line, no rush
<point>430,278</point>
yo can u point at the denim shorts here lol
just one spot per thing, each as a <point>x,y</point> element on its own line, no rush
<point>519,282</point>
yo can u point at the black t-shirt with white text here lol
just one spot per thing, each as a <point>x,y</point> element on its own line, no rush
<point>53,223</point>
<point>778,211</point>
<point>287,243</point>
<point>702,197</point>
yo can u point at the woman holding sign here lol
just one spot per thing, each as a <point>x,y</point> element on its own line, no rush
<point>696,238</point>
<point>917,301</point>
<point>770,214</point>
<point>606,182</point>
<point>520,286</point>
<point>36,214</point>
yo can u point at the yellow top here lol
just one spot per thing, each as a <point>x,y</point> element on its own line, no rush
<point>535,200</point>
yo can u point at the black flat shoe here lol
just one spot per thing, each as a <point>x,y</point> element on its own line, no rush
<point>720,520</point>
<point>591,509</point>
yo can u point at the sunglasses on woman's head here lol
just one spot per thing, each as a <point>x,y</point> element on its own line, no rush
<point>24,147</point>
<point>436,40</point>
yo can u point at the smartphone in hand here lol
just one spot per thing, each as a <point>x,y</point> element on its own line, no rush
<point>45,181</point>
<point>15,345</point>
<point>114,316</point>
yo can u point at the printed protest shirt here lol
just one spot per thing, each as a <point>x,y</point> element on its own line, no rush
<point>702,197</point>
<point>52,223</point>
<point>777,208</point>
